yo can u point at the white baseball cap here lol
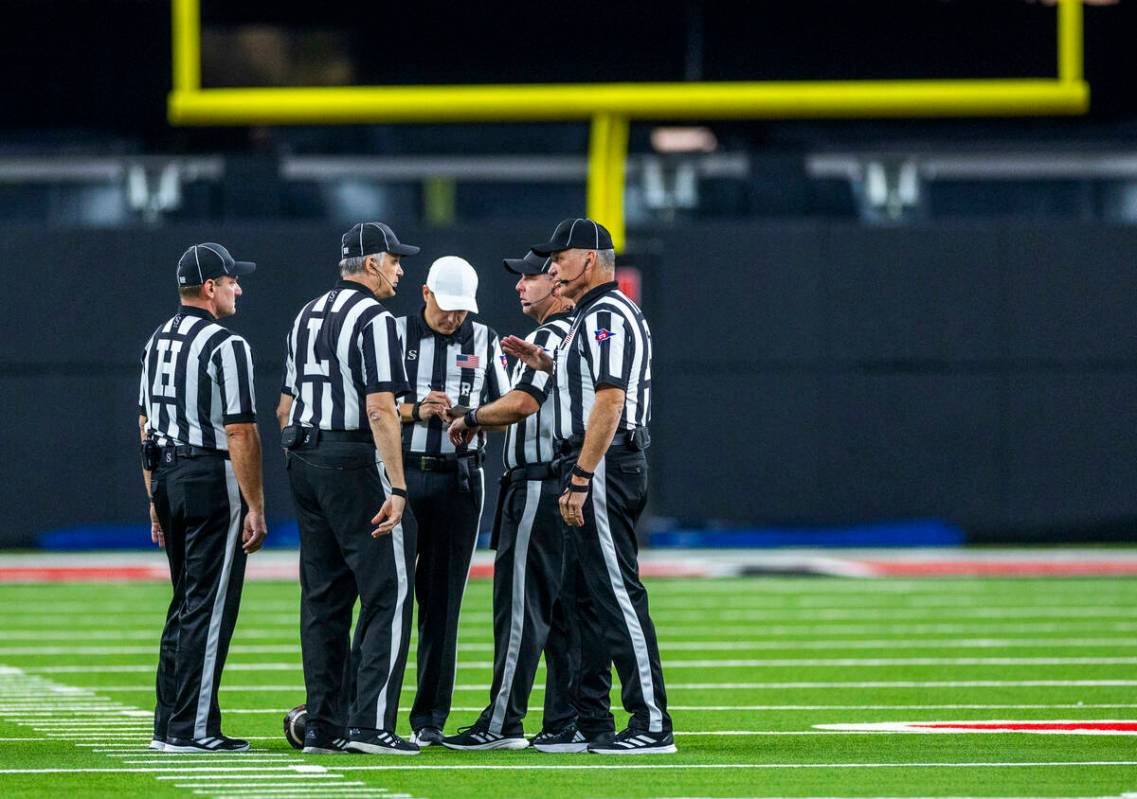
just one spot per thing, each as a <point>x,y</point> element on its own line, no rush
<point>454,284</point>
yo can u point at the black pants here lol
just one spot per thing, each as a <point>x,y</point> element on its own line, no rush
<point>201,510</point>
<point>608,561</point>
<point>338,487</point>
<point>447,530</point>
<point>526,584</point>
<point>578,685</point>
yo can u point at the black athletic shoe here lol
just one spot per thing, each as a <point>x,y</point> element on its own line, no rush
<point>567,739</point>
<point>378,742</point>
<point>427,736</point>
<point>317,742</point>
<point>476,737</point>
<point>635,742</point>
<point>205,746</point>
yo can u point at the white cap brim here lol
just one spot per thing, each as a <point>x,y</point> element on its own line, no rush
<point>456,302</point>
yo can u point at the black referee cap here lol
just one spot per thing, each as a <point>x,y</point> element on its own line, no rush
<point>207,261</point>
<point>576,234</point>
<point>531,264</point>
<point>369,238</point>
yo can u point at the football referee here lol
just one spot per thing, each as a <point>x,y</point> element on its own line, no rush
<point>603,406</point>
<point>534,557</point>
<point>201,459</point>
<point>453,363</point>
<point>343,377</point>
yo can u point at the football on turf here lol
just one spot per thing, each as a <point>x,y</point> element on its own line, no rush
<point>295,723</point>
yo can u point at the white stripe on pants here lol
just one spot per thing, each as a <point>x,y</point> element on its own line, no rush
<point>205,692</point>
<point>517,605</point>
<point>631,620</point>
<point>396,537</point>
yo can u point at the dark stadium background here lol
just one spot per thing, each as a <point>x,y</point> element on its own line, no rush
<point>965,370</point>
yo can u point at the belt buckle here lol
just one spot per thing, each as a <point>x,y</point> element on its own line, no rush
<point>426,463</point>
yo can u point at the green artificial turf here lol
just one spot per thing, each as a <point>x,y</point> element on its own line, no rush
<point>766,655</point>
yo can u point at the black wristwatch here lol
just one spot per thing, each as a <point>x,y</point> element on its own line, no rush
<point>414,411</point>
<point>471,418</point>
<point>579,472</point>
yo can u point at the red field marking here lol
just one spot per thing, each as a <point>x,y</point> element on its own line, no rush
<point>1063,727</point>
<point>1035,726</point>
<point>63,574</point>
<point>269,571</point>
<point>1016,568</point>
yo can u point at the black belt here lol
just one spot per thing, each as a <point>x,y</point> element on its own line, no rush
<point>356,436</point>
<point>633,440</point>
<point>530,471</point>
<point>442,463</point>
<point>171,453</point>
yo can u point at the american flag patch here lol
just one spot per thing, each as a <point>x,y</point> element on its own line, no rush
<point>603,334</point>
<point>504,362</point>
<point>464,361</point>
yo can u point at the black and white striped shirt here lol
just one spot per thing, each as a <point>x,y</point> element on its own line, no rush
<point>197,377</point>
<point>609,344</point>
<point>468,366</point>
<point>342,347</point>
<point>531,440</point>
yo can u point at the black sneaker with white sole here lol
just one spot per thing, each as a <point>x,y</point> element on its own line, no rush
<point>378,742</point>
<point>567,739</point>
<point>427,736</point>
<point>157,744</point>
<point>317,742</point>
<point>635,742</point>
<point>213,745</point>
<point>478,738</point>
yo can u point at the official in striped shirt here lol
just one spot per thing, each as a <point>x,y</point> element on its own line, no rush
<point>533,556</point>
<point>201,455</point>
<point>603,406</point>
<point>453,363</point>
<point>340,426</point>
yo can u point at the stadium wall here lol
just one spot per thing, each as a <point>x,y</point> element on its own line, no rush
<point>807,374</point>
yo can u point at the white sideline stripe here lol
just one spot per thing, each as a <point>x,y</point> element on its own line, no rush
<point>713,686</point>
<point>691,644</point>
<point>226,758</point>
<point>287,629</point>
<point>683,664</point>
<point>251,773</point>
<point>340,787</point>
<point>807,614</point>
<point>1066,706</point>
<point>245,774</point>
<point>625,766</point>
<point>482,646</point>
<point>302,792</point>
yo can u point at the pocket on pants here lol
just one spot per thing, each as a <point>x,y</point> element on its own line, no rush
<point>203,499</point>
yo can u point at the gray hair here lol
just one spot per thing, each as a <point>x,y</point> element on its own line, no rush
<point>352,266</point>
<point>606,259</point>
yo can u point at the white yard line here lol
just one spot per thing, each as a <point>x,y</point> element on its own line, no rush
<point>676,664</point>
<point>1068,706</point>
<point>695,645</point>
<point>258,772</point>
